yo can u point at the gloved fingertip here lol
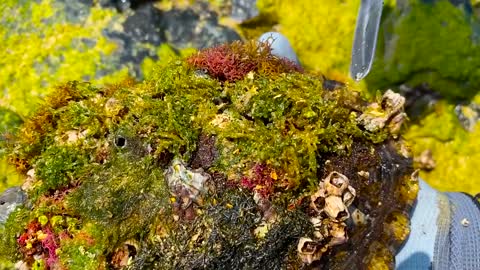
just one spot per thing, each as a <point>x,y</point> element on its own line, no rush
<point>280,46</point>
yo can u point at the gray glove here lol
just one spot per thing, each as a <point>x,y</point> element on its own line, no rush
<point>445,232</point>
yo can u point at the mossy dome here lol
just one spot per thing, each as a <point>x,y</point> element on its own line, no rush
<point>229,159</point>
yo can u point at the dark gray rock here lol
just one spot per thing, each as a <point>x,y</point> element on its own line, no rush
<point>243,10</point>
<point>9,200</point>
<point>144,25</point>
<point>468,115</point>
<point>196,27</point>
<point>141,34</point>
<point>418,100</point>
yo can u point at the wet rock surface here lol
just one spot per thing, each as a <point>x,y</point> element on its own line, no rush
<point>195,26</point>
<point>140,27</point>
<point>243,10</point>
<point>468,115</point>
<point>9,200</point>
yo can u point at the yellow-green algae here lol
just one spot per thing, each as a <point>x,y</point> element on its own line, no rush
<point>109,186</point>
<point>37,55</point>
<point>41,48</point>
<point>455,150</point>
<point>437,44</point>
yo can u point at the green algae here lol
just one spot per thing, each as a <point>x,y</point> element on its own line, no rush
<point>9,124</point>
<point>38,55</point>
<point>41,48</point>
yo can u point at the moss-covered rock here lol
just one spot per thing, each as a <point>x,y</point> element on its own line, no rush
<point>196,169</point>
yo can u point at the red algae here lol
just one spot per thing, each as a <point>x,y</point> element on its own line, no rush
<point>232,62</point>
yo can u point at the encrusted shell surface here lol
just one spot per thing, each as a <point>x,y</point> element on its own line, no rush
<point>335,208</point>
<point>336,183</point>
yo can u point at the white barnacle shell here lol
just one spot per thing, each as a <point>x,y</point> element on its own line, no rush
<point>336,183</point>
<point>338,234</point>
<point>308,250</point>
<point>317,200</point>
<point>335,208</point>
<point>317,225</point>
<point>316,222</point>
<point>349,195</point>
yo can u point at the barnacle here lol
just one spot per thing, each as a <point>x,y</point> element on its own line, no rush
<point>308,250</point>
<point>336,184</point>
<point>335,208</point>
<point>192,181</point>
<point>389,109</point>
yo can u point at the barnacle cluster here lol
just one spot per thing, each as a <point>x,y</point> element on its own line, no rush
<point>183,171</point>
<point>333,197</point>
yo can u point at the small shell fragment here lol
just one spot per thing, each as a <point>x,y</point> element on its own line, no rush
<point>358,217</point>
<point>364,174</point>
<point>465,222</point>
<point>425,160</point>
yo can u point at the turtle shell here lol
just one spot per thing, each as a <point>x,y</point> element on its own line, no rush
<point>230,159</point>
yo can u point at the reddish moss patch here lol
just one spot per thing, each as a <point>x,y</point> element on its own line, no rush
<point>263,180</point>
<point>231,62</point>
<point>39,239</point>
